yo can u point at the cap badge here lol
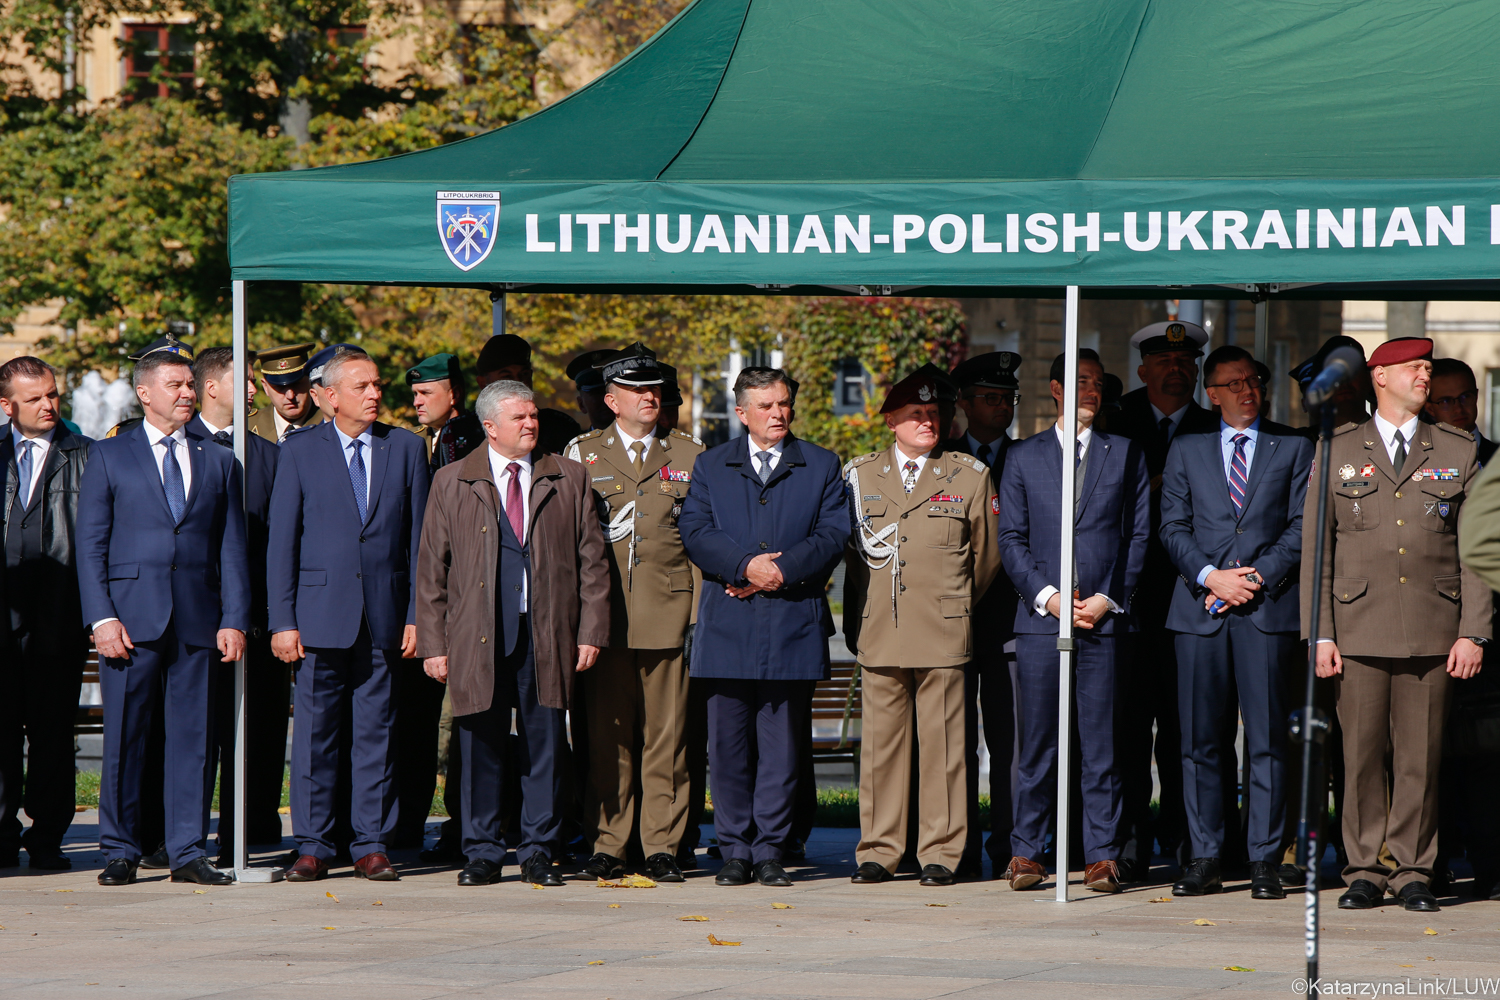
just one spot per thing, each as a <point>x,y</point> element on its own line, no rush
<point>1347,472</point>
<point>924,394</point>
<point>1176,332</point>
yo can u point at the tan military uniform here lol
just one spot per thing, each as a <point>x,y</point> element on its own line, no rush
<point>637,693</point>
<point>1397,601</point>
<point>263,422</point>
<point>917,564</point>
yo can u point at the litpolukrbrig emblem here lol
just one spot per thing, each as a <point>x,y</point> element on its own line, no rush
<point>468,222</point>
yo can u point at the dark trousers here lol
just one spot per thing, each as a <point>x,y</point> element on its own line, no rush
<point>414,742</point>
<point>363,675</point>
<point>267,694</point>
<point>183,676</point>
<point>697,758</point>
<point>38,703</point>
<point>1148,694</point>
<point>541,747</point>
<point>1095,700</point>
<point>1210,668</point>
<point>753,759</point>
<point>990,701</point>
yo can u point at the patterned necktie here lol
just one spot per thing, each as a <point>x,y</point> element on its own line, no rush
<point>1239,473</point>
<point>909,475</point>
<point>635,450</point>
<point>23,469</point>
<point>357,480</point>
<point>764,458</point>
<point>171,480</point>
<point>515,513</point>
<point>225,438</point>
<point>1400,460</point>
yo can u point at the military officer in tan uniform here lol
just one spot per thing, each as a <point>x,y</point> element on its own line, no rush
<point>283,376</point>
<point>922,554</point>
<point>636,696</point>
<point>1399,616</point>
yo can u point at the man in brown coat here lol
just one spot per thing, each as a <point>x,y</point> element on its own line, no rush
<point>512,601</point>
<point>1398,617</point>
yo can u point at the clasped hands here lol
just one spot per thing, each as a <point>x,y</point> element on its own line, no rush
<point>1230,586</point>
<point>1086,612</point>
<point>761,574</point>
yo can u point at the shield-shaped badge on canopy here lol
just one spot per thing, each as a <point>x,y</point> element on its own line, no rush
<point>467,224</point>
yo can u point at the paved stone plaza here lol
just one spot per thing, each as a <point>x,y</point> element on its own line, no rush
<point>65,936</point>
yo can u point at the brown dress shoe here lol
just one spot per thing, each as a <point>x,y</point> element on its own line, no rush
<point>1025,873</point>
<point>307,869</point>
<point>1102,876</point>
<point>376,867</point>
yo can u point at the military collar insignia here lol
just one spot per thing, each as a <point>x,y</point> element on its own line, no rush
<point>609,440</point>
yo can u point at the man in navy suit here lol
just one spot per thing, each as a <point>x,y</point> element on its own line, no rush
<point>765,519</point>
<point>1231,519</point>
<point>346,522</point>
<point>1113,523</point>
<point>163,579</point>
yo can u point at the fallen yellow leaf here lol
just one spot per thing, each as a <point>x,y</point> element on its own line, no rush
<point>628,882</point>
<point>937,904</point>
<point>782,906</point>
<point>330,928</point>
<point>614,906</point>
<point>377,903</point>
<point>70,890</point>
<point>1427,931</point>
<point>1160,899</point>
<point>536,886</point>
<point>1200,922</point>
<point>331,896</point>
<point>714,940</point>
<point>1406,966</point>
<point>1237,968</point>
<point>694,917</point>
<point>599,961</point>
<point>285,810</point>
<point>199,892</point>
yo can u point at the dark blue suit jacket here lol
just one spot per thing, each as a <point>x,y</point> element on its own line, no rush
<point>260,476</point>
<point>326,571</point>
<point>136,565</point>
<point>1199,525</point>
<point>1113,526</point>
<point>729,518</point>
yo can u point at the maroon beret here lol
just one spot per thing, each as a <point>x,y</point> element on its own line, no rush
<point>918,387</point>
<point>1400,351</point>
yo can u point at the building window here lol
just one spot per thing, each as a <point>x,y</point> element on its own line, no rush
<point>346,35</point>
<point>161,62</point>
<point>851,386</point>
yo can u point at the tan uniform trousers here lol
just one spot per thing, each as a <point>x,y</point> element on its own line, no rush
<point>888,695</point>
<point>1400,703</point>
<point>637,702</point>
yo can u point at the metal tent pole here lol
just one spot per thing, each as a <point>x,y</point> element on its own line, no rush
<point>1067,584</point>
<point>241,428</point>
<point>1262,330</point>
<point>497,313</point>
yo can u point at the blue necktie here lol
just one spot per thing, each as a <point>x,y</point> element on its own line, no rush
<point>171,481</point>
<point>357,479</point>
<point>23,467</point>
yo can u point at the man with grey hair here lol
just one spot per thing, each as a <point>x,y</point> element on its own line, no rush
<point>513,590</point>
<point>340,563</point>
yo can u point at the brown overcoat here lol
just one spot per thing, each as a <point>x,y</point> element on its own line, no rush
<point>568,599</point>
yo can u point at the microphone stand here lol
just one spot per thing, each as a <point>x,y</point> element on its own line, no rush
<point>1310,726</point>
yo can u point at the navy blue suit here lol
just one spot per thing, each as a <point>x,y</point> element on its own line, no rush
<point>173,586</point>
<point>761,656</point>
<point>1249,648</point>
<point>1113,525</point>
<point>348,587</point>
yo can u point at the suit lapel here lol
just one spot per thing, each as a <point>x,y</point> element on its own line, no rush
<point>1098,454</point>
<point>1265,451</point>
<point>140,447</point>
<point>544,476</point>
<point>380,460</point>
<point>612,449</point>
<point>193,444</point>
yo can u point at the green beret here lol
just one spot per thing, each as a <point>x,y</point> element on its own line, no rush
<point>435,368</point>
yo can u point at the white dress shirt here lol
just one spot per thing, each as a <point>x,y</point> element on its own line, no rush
<point>774,460</point>
<point>1226,449</point>
<point>346,444</point>
<point>500,470</point>
<point>902,459</point>
<point>1085,438</point>
<point>627,441</point>
<point>1387,432</point>
<point>40,446</point>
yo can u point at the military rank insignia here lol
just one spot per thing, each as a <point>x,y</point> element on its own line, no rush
<point>1438,475</point>
<point>676,475</point>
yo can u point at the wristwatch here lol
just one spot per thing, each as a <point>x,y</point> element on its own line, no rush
<point>1481,643</point>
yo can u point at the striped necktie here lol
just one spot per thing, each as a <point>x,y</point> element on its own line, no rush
<point>1239,473</point>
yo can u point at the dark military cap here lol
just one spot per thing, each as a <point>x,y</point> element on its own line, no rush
<point>169,345</point>
<point>435,369</point>
<point>1113,390</point>
<point>635,365</point>
<point>319,361</point>
<point>582,371</point>
<point>283,366</point>
<point>1309,369</point>
<point>995,370</point>
<point>503,351</point>
<point>1171,335</point>
<point>947,389</point>
<point>671,392</point>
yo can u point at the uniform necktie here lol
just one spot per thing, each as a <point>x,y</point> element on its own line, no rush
<point>1239,473</point>
<point>23,469</point>
<point>1400,460</point>
<point>634,450</point>
<point>225,438</point>
<point>764,458</point>
<point>357,480</point>
<point>171,481</point>
<point>909,475</point>
<point>514,511</point>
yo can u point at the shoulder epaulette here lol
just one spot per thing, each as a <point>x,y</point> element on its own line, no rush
<point>687,437</point>
<point>1455,431</point>
<point>586,435</point>
<point>1346,428</point>
<point>964,457</point>
<point>859,460</point>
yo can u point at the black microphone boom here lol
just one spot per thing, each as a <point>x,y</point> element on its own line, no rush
<point>1339,367</point>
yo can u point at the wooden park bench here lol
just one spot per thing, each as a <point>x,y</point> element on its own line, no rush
<point>838,698</point>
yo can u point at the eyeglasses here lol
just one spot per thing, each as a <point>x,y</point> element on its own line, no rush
<point>996,398</point>
<point>1463,397</point>
<point>1240,384</point>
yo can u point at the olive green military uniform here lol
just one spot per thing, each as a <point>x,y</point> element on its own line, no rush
<point>636,695</point>
<point>263,422</point>
<point>917,564</point>
<point>1394,599</point>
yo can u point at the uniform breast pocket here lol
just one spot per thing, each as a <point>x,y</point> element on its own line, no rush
<point>1440,507</point>
<point>1355,508</point>
<point>947,530</point>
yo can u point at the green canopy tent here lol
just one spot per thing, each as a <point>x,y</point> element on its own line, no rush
<point>1235,148</point>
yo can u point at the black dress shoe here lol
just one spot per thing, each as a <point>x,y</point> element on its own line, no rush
<point>1264,883</point>
<point>602,866</point>
<point>441,854</point>
<point>539,870</point>
<point>663,868</point>
<point>736,871</point>
<point>1361,895</point>
<point>1132,870</point>
<point>200,871</point>
<point>1200,877</point>
<point>871,873</point>
<point>1417,896</point>
<point>118,872</point>
<point>156,860</point>
<point>969,870</point>
<point>771,873</point>
<point>10,860</point>
<point>480,871</point>
<point>687,860</point>
<point>937,875</point>
<point>1291,876</point>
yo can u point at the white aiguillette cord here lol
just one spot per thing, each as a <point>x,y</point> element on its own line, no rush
<point>622,525</point>
<point>877,548</point>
